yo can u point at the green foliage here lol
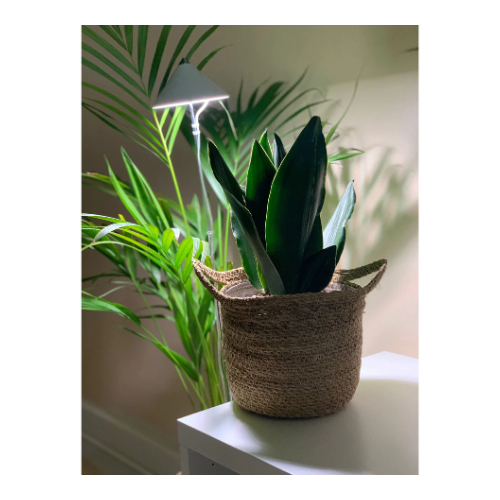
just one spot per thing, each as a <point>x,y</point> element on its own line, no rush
<point>149,259</point>
<point>278,217</point>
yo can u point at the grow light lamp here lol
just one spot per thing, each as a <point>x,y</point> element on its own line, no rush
<point>188,86</point>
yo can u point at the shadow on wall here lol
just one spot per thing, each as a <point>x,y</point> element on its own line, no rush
<point>385,216</point>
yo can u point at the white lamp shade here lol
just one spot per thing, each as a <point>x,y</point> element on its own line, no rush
<point>188,85</point>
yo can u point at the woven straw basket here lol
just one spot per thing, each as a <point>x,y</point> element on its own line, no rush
<point>292,355</point>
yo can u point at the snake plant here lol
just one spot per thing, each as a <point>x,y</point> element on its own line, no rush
<point>276,216</point>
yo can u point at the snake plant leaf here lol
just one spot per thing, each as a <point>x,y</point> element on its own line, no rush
<point>340,247</point>
<point>317,270</point>
<point>334,233</point>
<point>279,151</point>
<point>264,142</point>
<point>223,174</point>
<point>315,243</point>
<point>294,201</point>
<point>271,275</point>
<point>247,255</point>
<point>259,179</point>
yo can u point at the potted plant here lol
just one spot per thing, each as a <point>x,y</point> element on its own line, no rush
<point>292,322</point>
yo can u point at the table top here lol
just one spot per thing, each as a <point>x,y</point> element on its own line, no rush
<point>376,433</point>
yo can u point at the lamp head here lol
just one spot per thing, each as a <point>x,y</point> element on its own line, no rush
<point>188,85</point>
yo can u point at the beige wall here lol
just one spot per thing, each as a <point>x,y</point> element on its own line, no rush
<point>126,374</point>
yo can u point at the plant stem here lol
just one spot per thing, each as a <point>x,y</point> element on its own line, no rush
<point>172,171</point>
<point>226,238</point>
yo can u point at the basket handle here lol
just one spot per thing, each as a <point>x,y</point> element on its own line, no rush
<point>205,274</point>
<point>379,266</point>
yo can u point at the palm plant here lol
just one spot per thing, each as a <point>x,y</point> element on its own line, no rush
<point>277,219</point>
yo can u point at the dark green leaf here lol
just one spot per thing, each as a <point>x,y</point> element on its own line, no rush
<point>247,224</point>
<point>246,251</point>
<point>315,243</point>
<point>264,142</point>
<point>294,201</point>
<point>223,174</point>
<point>279,151</point>
<point>260,177</point>
<point>317,270</point>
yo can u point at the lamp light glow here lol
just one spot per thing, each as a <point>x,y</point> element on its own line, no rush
<point>186,103</point>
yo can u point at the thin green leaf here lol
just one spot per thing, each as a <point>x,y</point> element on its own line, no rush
<point>184,252</point>
<point>124,198</point>
<point>131,262</point>
<point>344,154</point>
<point>129,37</point>
<point>123,104</point>
<point>103,73</point>
<point>111,228</point>
<point>334,128</point>
<point>114,35</point>
<point>180,45</point>
<point>99,115</point>
<point>108,47</point>
<point>207,59</point>
<point>91,303</point>
<point>155,65</point>
<point>200,40</point>
<point>142,42</point>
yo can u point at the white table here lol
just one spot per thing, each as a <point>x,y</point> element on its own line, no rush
<point>376,433</point>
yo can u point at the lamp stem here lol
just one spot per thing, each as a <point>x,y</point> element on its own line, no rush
<point>195,124</point>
